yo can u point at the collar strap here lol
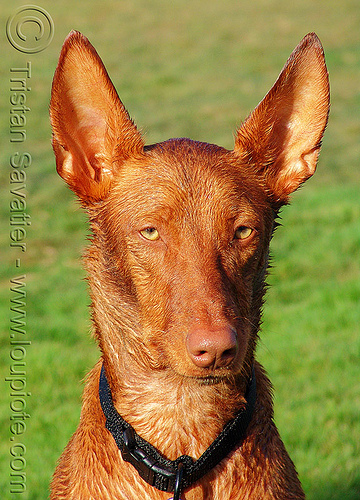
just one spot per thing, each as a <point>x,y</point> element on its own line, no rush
<point>160,472</point>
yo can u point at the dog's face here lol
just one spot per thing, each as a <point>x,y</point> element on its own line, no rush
<point>190,230</point>
<point>182,229</point>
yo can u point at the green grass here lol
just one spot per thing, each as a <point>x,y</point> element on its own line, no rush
<point>197,69</point>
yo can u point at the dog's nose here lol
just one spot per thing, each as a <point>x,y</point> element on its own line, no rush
<point>212,348</point>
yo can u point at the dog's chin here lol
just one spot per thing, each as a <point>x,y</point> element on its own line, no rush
<point>215,377</point>
<point>211,380</point>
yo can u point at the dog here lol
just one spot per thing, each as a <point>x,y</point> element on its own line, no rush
<point>178,406</point>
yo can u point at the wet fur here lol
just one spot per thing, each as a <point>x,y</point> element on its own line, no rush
<point>149,296</point>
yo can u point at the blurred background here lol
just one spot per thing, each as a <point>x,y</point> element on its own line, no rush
<point>191,69</point>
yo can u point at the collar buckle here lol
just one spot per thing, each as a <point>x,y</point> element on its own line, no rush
<point>148,468</point>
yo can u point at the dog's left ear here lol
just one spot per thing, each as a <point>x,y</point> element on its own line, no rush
<point>92,131</point>
<point>282,136</point>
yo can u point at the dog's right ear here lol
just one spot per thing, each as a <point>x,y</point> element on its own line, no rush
<point>92,131</point>
<point>282,136</point>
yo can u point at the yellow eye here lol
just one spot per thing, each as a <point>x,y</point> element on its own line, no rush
<point>150,233</point>
<point>243,232</point>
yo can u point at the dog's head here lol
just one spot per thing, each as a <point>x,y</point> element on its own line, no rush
<point>181,229</point>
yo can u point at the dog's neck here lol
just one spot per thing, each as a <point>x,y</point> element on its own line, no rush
<point>152,401</point>
<point>152,465</point>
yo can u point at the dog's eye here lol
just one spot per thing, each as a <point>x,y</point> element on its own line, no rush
<point>243,232</point>
<point>150,233</point>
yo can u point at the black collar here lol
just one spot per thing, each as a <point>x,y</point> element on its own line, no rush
<point>173,475</point>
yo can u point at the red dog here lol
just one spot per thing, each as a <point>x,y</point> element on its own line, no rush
<point>177,263</point>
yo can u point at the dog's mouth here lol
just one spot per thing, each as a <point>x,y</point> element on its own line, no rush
<point>215,378</point>
<point>207,376</point>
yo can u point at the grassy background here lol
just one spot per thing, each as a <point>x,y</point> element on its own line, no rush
<point>197,69</point>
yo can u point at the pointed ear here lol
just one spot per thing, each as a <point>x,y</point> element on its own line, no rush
<point>282,137</point>
<point>92,131</point>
